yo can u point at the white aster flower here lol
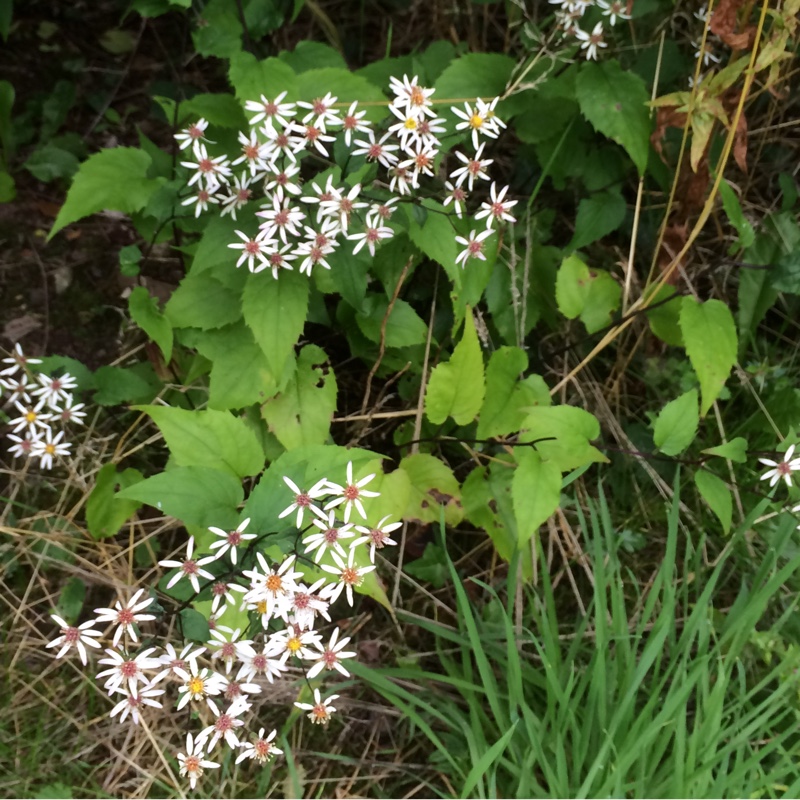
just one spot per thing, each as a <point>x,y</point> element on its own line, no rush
<point>200,201</point>
<point>473,246</point>
<point>126,616</point>
<point>350,494</point>
<point>329,657</point>
<point>370,237</point>
<point>280,219</point>
<point>189,568</point>
<point>224,726</point>
<point>261,749</point>
<point>377,537</point>
<point>252,249</point>
<point>229,648</point>
<point>23,445</point>
<point>343,206</point>
<point>213,171</point>
<point>278,258</point>
<point>348,576</point>
<point>199,684</point>
<point>230,540</point>
<point>320,710</point>
<point>410,96</point>
<point>293,641</point>
<point>457,196</point>
<point>240,195</point>
<point>304,605</point>
<point>378,151</point>
<point>328,535</point>
<point>274,586</point>
<point>68,411</point>
<point>617,9</point>
<point>283,181</point>
<point>303,500</point>
<point>192,761</point>
<point>271,111</point>
<point>781,469</point>
<point>32,418</point>
<point>496,210</point>
<point>75,636</point>
<point>353,122</point>
<point>233,690</point>
<point>255,154</point>
<point>127,670</point>
<point>47,447</point>
<point>473,168</point>
<point>321,111</point>
<point>260,665</point>
<point>475,120</point>
<point>192,135</point>
<point>53,390</point>
<point>222,590</point>
<point>314,136</point>
<point>177,663</point>
<point>134,701</point>
<point>18,360</point>
<point>591,41</point>
<point>17,387</point>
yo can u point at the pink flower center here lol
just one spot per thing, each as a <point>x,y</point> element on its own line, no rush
<point>474,248</point>
<point>329,657</point>
<point>301,601</point>
<point>350,123</point>
<point>250,151</point>
<point>234,538</point>
<point>228,651</point>
<point>129,669</point>
<point>281,141</point>
<point>71,635</point>
<point>276,260</point>
<point>784,468</point>
<point>331,535</point>
<point>302,501</point>
<point>194,132</point>
<point>319,107</point>
<point>262,748</point>
<point>260,662</point>
<point>270,109</point>
<point>219,588</point>
<point>372,235</point>
<point>125,617</point>
<point>223,724</point>
<point>374,151</point>
<point>192,764</point>
<point>206,165</point>
<point>282,217</point>
<point>351,493</point>
<point>474,167</point>
<point>243,195</point>
<point>377,536</point>
<point>312,133</point>
<point>232,691</point>
<point>252,247</point>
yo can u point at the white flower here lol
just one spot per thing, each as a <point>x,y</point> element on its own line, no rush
<point>254,153</point>
<point>201,201</point>
<point>262,749</point>
<point>591,41</point>
<point>303,500</point>
<point>278,258</point>
<point>321,195</point>
<point>176,662</point>
<point>457,196</point>
<point>48,446</point>
<point>473,168</point>
<point>23,446</point>
<point>240,195</point>
<point>383,211</point>
<point>406,127</point>
<point>304,604</point>
<point>192,761</point>
<point>321,111</point>
<point>17,386</point>
<point>192,135</point>
<point>328,536</point>
<point>229,649</point>
<point>75,636</point>
<point>230,540</point>
<point>67,412</point>
<point>343,205</point>
<point>282,181</point>
<point>497,209</point>
<point>421,163</point>
<point>377,151</point>
<point>348,574</point>
<point>199,684</point>
<point>271,110</point>
<point>32,418</point>
<point>134,701</point>
<point>377,536</point>
<point>329,657</point>
<point>221,590</point>
<point>475,120</point>
<point>617,9</point>
<point>412,97</point>
<point>54,389</point>
<point>353,122</point>
<point>371,236</point>
<point>214,171</point>
<point>350,494</point>
<point>127,670</point>
<point>282,217</point>
<point>252,249</point>
<point>125,616</point>
<point>260,664</point>
<point>18,361</point>
<point>293,642</point>
<point>321,710</point>
<point>224,726</point>
<point>313,135</point>
<point>781,469</point>
<point>473,246</point>
<point>273,587</point>
<point>189,568</point>
<point>237,690</point>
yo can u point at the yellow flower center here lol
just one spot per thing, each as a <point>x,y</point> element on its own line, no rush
<point>30,416</point>
<point>476,120</point>
<point>293,645</point>
<point>50,449</point>
<point>410,124</point>
<point>261,607</point>
<point>196,685</point>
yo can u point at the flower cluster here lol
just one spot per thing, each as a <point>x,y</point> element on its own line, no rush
<point>38,405</point>
<point>571,16</point>
<point>302,220</point>
<point>217,681</point>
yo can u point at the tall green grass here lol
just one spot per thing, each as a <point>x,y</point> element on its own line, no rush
<point>653,692</point>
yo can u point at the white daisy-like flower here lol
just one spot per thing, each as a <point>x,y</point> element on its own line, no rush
<point>377,536</point>
<point>283,181</point>
<point>54,390</point>
<point>75,636</point>
<point>189,568</point>
<point>343,206</point>
<point>233,689</point>
<point>321,111</point>
<point>350,494</point>
<point>229,648</point>
<point>69,411</point>
<point>177,663</point>
<point>192,135</point>
<point>222,590</point>
<point>255,154</point>
<point>313,136</point>
<point>406,127</point>
<point>320,710</point>
<point>230,540</point>
<point>23,445</point>
<point>294,641</point>
<point>320,195</point>
<point>278,258</point>
<point>127,670</point>
<point>371,236</point>
<point>283,144</point>
<point>252,249</point>
<point>329,657</point>
<point>383,211</point>
<point>261,749</point>
<point>32,418</point>
<point>378,151</point>
<point>781,469</point>
<point>348,576</point>
<point>200,201</point>
<point>591,41</point>
<point>213,171</point>
<point>421,163</point>
<point>192,762</point>
<point>271,111</point>
<point>328,536</point>
<point>224,726</point>
<point>473,168</point>
<point>17,387</point>
<point>198,684</point>
<point>261,665</point>
<point>304,604</point>
<point>240,195</point>
<point>18,361</point>
<point>412,97</point>
<point>616,9</point>
<point>473,246</point>
<point>496,210</point>
<point>280,219</point>
<point>475,120</point>
<point>134,701</point>
<point>275,585</point>
<point>125,617</point>
<point>353,122</point>
<point>303,500</point>
<point>48,447</point>
<point>457,196</point>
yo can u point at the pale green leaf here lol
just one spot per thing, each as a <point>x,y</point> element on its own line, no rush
<point>709,335</point>
<point>146,314</point>
<point>456,389</point>
<point>615,103</point>
<point>676,425</point>
<point>208,439</point>
<point>432,485</point>
<point>717,495</point>
<point>251,78</point>
<point>111,180</point>
<point>201,301</point>
<point>598,215</point>
<point>301,414</point>
<point>593,295</point>
<point>536,491</point>
<point>106,512</point>
<point>563,435</point>
<point>403,326</point>
<point>735,450</point>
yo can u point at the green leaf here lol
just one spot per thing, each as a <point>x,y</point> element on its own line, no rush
<point>309,55</point>
<point>404,327</point>
<point>275,311</point>
<point>251,78</point>
<point>676,424</point>
<point>598,215</point>
<point>346,86</point>
<point>733,210</point>
<point>54,791</point>
<point>196,495</point>
<point>664,319</point>
<point>201,301</point>
<point>146,314</point>
<point>591,294</point>
<point>432,485</point>
<point>70,600</point>
<point>8,187</point>
<point>106,513</point>
<point>301,414</point>
<point>456,389</point>
<point>111,180</point>
<point>219,32</point>
<point>536,492</point>
<point>756,294</point>
<point>615,103</point>
<point>117,385</point>
<point>240,372</point>
<point>219,109</point>
<point>194,626</point>
<point>50,162</point>
<point>507,397</point>
<point>436,238</point>
<point>735,450</point>
<point>717,495</point>
<point>209,439</point>
<point>431,567</point>
<point>709,334</point>
<point>562,435</point>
